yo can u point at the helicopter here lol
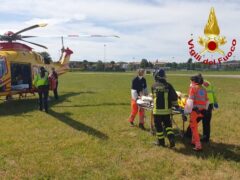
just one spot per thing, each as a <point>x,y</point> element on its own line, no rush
<point>19,63</point>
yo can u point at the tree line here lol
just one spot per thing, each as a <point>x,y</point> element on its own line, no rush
<point>123,66</point>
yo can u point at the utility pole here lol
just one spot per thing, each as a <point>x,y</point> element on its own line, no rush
<point>104,52</point>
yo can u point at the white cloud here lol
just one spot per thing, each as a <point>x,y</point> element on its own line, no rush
<point>154,29</point>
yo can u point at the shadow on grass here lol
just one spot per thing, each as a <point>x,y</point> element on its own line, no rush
<point>20,107</point>
<point>64,117</point>
<point>224,151</point>
<point>96,105</point>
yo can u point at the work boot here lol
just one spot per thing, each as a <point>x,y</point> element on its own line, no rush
<point>198,147</point>
<point>160,142</point>
<point>171,138</point>
<point>172,142</point>
<point>132,124</point>
<point>141,126</point>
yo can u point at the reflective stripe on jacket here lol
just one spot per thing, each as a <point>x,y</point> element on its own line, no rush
<point>164,97</point>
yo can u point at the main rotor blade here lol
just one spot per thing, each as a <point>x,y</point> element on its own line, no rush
<point>98,35</point>
<point>29,28</point>
<point>28,36</point>
<point>92,35</point>
<point>72,36</point>
<point>35,44</point>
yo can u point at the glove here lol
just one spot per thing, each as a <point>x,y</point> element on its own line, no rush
<point>177,108</point>
<point>184,117</point>
<point>181,110</point>
<point>215,105</point>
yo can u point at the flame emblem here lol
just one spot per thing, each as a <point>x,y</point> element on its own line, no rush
<point>211,41</point>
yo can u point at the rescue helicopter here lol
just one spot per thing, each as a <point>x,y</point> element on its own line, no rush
<point>19,62</point>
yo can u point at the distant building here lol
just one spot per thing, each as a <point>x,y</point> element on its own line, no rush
<point>123,65</point>
<point>134,65</point>
<point>235,64</point>
<point>159,64</point>
<point>75,64</point>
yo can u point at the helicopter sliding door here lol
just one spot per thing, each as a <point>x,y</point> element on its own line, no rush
<point>21,76</point>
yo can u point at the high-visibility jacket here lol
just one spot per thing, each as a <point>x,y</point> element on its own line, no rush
<point>39,81</point>
<point>198,96</point>
<point>210,92</point>
<point>164,97</point>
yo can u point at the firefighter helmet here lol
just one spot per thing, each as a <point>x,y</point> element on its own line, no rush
<point>159,74</point>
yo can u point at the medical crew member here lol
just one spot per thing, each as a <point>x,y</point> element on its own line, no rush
<point>196,105</point>
<point>213,103</point>
<point>54,75</point>
<point>139,88</point>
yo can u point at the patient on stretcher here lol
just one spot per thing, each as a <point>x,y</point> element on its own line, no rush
<point>18,83</point>
<point>145,101</point>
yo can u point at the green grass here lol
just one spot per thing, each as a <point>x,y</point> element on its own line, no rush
<point>220,72</point>
<point>86,135</point>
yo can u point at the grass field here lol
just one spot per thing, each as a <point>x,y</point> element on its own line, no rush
<point>207,72</point>
<point>86,135</point>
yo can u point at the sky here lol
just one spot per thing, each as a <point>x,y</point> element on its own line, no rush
<point>151,29</point>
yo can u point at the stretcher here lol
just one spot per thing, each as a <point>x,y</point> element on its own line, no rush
<point>146,102</point>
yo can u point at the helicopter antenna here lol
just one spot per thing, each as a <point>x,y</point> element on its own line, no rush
<point>62,44</point>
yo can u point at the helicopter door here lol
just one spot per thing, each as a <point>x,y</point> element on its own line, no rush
<point>3,67</point>
<point>21,76</point>
<point>3,72</point>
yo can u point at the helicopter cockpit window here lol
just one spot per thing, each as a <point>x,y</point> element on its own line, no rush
<point>3,68</point>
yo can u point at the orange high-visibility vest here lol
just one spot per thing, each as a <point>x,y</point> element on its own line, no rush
<point>199,96</point>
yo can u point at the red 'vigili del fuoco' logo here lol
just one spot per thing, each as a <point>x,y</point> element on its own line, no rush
<point>211,43</point>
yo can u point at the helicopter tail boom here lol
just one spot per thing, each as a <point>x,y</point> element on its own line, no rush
<point>62,66</point>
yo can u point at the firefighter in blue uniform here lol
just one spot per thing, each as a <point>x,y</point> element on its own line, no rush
<point>165,97</point>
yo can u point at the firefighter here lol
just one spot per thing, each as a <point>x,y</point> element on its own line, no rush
<point>41,83</point>
<point>213,103</point>
<point>139,88</point>
<point>164,96</point>
<point>196,105</point>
